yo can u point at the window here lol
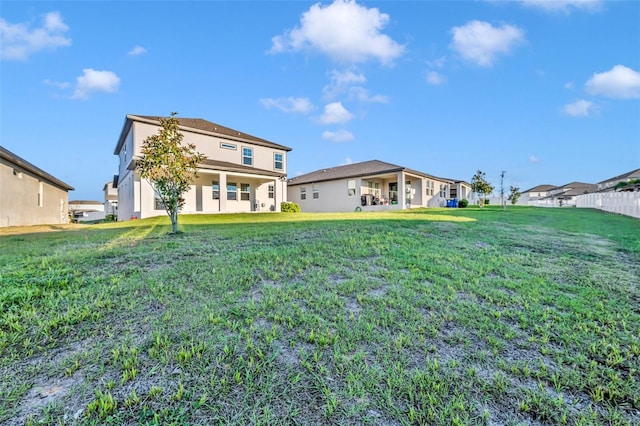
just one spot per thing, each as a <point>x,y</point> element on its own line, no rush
<point>244,191</point>
<point>232,189</point>
<point>271,191</point>
<point>158,204</point>
<point>278,161</point>
<point>316,193</point>
<point>228,146</point>
<point>303,193</point>
<point>429,187</point>
<point>351,187</point>
<point>443,190</point>
<point>247,156</point>
<point>215,190</point>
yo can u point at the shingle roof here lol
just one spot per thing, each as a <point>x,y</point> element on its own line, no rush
<point>27,166</point>
<point>365,168</point>
<point>632,173</point>
<point>198,124</point>
<point>540,188</point>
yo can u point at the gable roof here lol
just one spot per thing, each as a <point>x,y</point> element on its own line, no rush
<point>632,174</point>
<point>540,188</point>
<point>23,164</point>
<point>196,125</point>
<point>365,168</point>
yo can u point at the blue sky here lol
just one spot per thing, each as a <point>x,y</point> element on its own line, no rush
<point>547,90</point>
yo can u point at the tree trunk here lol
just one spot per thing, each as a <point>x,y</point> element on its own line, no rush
<point>174,221</point>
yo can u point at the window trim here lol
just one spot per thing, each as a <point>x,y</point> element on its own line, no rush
<point>271,191</point>
<point>351,191</point>
<point>215,184</point>
<point>276,161</point>
<point>226,145</point>
<point>245,191</point>
<point>303,192</point>
<point>250,157</point>
<point>234,197</point>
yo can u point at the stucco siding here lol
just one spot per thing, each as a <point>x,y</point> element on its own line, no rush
<point>25,199</point>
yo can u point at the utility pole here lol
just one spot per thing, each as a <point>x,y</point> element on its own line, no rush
<point>504,204</point>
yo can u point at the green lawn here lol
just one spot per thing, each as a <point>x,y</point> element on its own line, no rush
<point>439,316</point>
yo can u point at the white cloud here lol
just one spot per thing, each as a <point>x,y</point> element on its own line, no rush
<point>95,81</point>
<point>59,84</point>
<point>568,85</point>
<point>347,161</point>
<point>481,42</point>
<point>289,104</point>
<point>335,113</point>
<point>620,82</point>
<point>341,81</point>
<point>137,50</point>
<point>361,94</point>
<point>437,63</point>
<point>580,108</point>
<point>18,41</point>
<point>344,30</point>
<point>435,78</point>
<point>534,159</point>
<point>338,136</point>
<point>565,6</point>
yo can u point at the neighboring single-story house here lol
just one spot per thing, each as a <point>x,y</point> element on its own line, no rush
<point>86,210</point>
<point>110,198</point>
<point>609,184</point>
<point>369,185</point>
<point>241,173</point>
<point>460,190</point>
<point>29,195</point>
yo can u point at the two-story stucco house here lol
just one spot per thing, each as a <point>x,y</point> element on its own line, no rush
<point>29,195</point>
<point>241,173</point>
<point>369,185</point>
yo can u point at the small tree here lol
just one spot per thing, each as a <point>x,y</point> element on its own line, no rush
<point>169,166</point>
<point>514,194</point>
<point>480,186</point>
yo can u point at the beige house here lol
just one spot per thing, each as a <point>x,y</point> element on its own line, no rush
<point>110,199</point>
<point>533,195</point>
<point>242,173</point>
<point>29,195</point>
<point>369,186</point>
<point>565,195</point>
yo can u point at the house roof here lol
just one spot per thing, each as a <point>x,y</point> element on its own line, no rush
<point>86,202</point>
<point>541,188</point>
<point>629,175</point>
<point>197,125</point>
<point>365,168</point>
<point>23,164</point>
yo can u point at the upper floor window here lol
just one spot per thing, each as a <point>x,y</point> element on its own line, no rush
<point>228,146</point>
<point>215,190</point>
<point>278,161</point>
<point>232,191</point>
<point>247,156</point>
<point>271,191</point>
<point>244,191</point>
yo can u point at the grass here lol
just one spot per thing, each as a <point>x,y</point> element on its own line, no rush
<point>437,316</point>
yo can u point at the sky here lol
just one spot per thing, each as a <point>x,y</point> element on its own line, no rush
<point>547,91</point>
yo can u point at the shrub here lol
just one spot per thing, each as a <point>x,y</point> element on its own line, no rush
<point>463,203</point>
<point>486,201</point>
<point>286,207</point>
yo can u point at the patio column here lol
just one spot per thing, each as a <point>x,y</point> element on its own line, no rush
<point>223,192</point>
<point>402,192</point>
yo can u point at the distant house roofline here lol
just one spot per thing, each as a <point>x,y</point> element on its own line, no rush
<point>23,164</point>
<point>354,170</point>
